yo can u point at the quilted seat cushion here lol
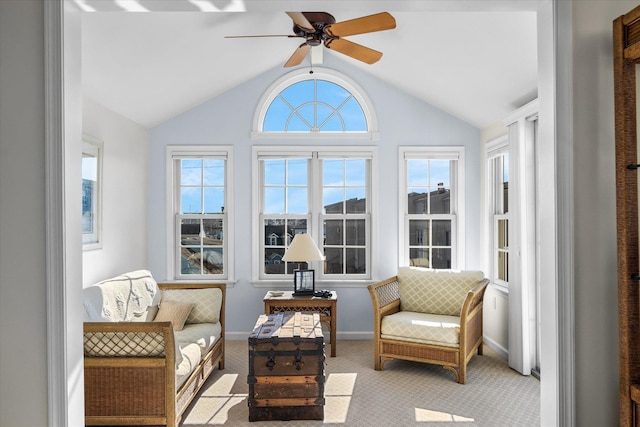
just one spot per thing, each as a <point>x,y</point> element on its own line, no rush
<point>435,291</point>
<point>423,328</point>
<point>204,335</point>
<point>206,303</point>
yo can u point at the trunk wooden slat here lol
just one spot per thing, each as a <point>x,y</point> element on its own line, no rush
<point>286,368</point>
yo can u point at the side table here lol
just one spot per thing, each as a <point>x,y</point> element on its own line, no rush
<point>326,307</point>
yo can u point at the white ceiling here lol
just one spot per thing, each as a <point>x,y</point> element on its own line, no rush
<point>474,59</point>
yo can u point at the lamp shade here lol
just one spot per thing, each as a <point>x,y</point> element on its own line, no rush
<point>303,249</point>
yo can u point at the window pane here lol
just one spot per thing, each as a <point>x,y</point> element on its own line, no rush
<point>334,124</point>
<point>440,201</point>
<point>503,266</point>
<point>333,232</point>
<point>441,232</point>
<point>273,263</point>
<point>419,257</point>
<point>299,93</point>
<point>323,112</point>
<point>190,261</point>
<point>503,233</point>
<point>213,232</point>
<point>333,172</point>
<point>333,263</point>
<point>274,172</point>
<point>297,124</point>
<point>307,114</point>
<point>213,262</point>
<point>355,232</point>
<point>332,200</point>
<point>440,171</point>
<point>417,173</point>
<point>441,258</point>
<point>505,183</point>
<point>190,232</point>
<point>213,172</point>
<point>356,170</point>
<point>274,233</point>
<point>356,262</point>
<point>191,172</point>
<point>276,115</point>
<point>274,200</point>
<point>297,200</point>
<point>297,171</point>
<point>417,201</point>
<point>356,200</point>
<point>191,200</point>
<point>214,200</point>
<point>331,93</point>
<point>296,226</point>
<point>353,115</point>
<point>418,233</point>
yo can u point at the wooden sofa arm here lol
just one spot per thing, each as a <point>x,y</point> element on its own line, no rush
<point>473,301</point>
<point>385,297</point>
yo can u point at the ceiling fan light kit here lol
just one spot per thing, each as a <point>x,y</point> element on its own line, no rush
<point>321,28</point>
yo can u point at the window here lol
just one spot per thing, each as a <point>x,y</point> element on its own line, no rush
<point>498,181</point>
<point>201,244</point>
<point>91,193</point>
<point>431,206</point>
<point>323,104</point>
<point>322,191</point>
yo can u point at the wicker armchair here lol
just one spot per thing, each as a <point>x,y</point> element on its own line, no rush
<point>429,316</point>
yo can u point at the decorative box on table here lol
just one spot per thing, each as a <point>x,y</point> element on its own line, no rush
<point>286,368</point>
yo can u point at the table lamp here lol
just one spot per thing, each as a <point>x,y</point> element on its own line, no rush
<point>303,249</point>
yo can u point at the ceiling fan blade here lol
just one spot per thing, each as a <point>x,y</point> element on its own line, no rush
<point>301,21</point>
<point>298,55</point>
<point>262,35</point>
<point>366,24</point>
<point>354,50</point>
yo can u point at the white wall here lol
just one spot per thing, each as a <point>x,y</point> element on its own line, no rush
<point>595,213</point>
<point>124,197</point>
<point>403,120</point>
<point>23,388</point>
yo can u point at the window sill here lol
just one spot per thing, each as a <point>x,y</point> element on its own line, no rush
<point>503,289</point>
<point>328,284</point>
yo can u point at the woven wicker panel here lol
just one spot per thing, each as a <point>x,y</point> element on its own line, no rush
<point>388,293</point>
<point>101,344</point>
<point>134,391</point>
<point>433,354</point>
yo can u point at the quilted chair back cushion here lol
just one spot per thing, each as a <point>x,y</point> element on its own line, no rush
<point>435,291</point>
<point>206,303</point>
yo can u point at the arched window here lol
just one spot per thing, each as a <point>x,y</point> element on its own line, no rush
<point>324,103</point>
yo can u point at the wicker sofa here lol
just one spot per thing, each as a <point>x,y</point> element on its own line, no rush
<point>430,316</point>
<point>138,371</point>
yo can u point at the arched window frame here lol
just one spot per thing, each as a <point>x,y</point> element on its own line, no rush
<point>318,74</point>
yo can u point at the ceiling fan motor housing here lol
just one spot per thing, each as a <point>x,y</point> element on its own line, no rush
<point>318,20</point>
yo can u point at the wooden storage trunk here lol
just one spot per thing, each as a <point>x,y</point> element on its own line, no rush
<point>286,368</point>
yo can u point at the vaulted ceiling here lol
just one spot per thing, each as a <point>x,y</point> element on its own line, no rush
<point>474,59</point>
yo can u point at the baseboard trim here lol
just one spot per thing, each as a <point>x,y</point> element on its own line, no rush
<point>503,352</point>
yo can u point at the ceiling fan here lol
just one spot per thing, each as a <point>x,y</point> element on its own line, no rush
<point>321,28</point>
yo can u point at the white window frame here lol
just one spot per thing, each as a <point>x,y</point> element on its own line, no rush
<point>496,149</point>
<point>318,74</point>
<point>315,216</point>
<point>457,214</point>
<point>173,154</point>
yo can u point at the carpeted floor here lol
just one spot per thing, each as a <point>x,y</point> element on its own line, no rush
<point>404,394</point>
